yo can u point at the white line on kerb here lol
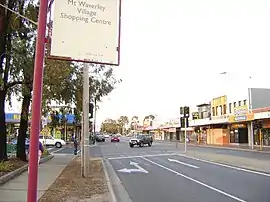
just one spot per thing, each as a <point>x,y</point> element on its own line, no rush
<point>226,166</point>
<point>196,181</point>
<point>140,156</point>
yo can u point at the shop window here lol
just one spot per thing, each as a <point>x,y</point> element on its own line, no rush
<point>230,108</point>
<point>245,102</point>
<point>221,111</point>
<point>213,111</point>
<point>239,103</point>
<point>224,109</point>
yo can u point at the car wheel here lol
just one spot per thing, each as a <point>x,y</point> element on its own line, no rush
<point>131,145</point>
<point>150,144</point>
<point>141,144</point>
<point>58,145</point>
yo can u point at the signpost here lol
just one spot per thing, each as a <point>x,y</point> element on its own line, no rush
<point>86,31</point>
<point>138,169</point>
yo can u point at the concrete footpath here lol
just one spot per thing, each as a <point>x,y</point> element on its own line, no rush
<point>15,190</point>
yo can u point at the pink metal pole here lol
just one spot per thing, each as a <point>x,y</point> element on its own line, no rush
<point>36,105</point>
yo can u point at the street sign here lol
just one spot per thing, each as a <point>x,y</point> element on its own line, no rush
<point>138,169</point>
<point>87,30</point>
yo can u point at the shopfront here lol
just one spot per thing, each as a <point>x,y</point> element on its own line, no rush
<point>238,127</point>
<point>238,133</point>
<point>265,133</point>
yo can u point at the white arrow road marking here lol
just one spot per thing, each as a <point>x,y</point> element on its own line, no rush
<point>180,162</point>
<point>138,169</point>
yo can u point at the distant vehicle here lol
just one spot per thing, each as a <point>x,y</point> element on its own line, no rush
<point>107,135</point>
<point>115,138</point>
<point>51,141</point>
<point>100,138</point>
<point>27,142</point>
<point>141,140</point>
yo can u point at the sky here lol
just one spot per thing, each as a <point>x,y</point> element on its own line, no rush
<point>172,54</point>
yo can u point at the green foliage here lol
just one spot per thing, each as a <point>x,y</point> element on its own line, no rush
<point>110,126</point>
<point>45,152</point>
<point>5,166</point>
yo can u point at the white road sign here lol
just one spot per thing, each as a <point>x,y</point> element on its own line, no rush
<point>138,169</point>
<point>86,30</point>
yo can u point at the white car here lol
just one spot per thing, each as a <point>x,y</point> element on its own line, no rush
<point>106,136</point>
<point>51,141</point>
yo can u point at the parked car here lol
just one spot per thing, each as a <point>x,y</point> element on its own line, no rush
<point>115,138</point>
<point>107,135</point>
<point>51,141</point>
<point>100,138</point>
<point>141,140</point>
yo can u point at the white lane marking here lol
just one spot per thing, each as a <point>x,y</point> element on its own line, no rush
<point>183,163</point>
<point>140,156</point>
<point>57,150</point>
<point>227,166</point>
<point>138,169</point>
<point>196,181</point>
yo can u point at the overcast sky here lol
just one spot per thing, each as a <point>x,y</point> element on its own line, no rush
<point>173,52</point>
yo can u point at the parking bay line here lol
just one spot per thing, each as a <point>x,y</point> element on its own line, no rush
<point>196,181</point>
<point>227,166</point>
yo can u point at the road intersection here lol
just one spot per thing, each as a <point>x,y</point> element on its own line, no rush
<point>165,173</point>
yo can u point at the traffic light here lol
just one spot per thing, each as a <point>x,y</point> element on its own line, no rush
<point>186,112</point>
<point>184,122</point>
<point>181,110</point>
<point>91,110</point>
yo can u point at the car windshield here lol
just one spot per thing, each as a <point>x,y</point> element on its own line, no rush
<point>138,136</point>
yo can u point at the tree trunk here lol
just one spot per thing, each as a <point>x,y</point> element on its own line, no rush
<point>3,130</point>
<point>23,127</point>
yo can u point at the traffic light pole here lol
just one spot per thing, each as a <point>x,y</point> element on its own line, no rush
<point>185,134</point>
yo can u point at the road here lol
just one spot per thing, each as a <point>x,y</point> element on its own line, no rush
<point>163,173</point>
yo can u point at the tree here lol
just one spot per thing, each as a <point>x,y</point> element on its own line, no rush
<point>134,122</point>
<point>123,120</point>
<point>101,83</point>
<point>110,126</point>
<point>149,118</point>
<point>23,52</point>
<point>9,77</point>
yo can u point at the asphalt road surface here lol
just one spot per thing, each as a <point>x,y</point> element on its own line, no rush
<point>162,173</point>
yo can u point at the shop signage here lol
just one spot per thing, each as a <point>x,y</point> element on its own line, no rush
<point>195,115</point>
<point>241,113</point>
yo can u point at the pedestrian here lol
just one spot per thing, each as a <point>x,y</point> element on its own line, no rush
<point>76,143</point>
<point>40,152</point>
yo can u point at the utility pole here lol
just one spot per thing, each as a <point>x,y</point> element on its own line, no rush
<point>185,134</point>
<point>85,139</point>
<point>184,115</point>
<point>95,115</point>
